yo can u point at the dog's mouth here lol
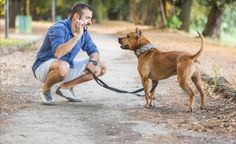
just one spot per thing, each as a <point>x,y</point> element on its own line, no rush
<point>125,47</point>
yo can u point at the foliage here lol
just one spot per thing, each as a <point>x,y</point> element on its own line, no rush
<point>229,25</point>
<point>99,10</point>
<point>63,7</point>
<point>229,21</point>
<point>11,42</point>
<point>229,7</point>
<point>220,3</point>
<point>198,17</point>
<point>177,3</point>
<point>118,9</point>
<point>216,71</point>
<point>173,22</point>
<point>2,2</point>
<point>121,10</point>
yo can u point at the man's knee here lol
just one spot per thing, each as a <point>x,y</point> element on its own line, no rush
<point>61,67</point>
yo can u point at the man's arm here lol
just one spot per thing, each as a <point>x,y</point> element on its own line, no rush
<point>93,57</point>
<point>63,49</point>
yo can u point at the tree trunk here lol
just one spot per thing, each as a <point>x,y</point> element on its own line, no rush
<point>152,10</point>
<point>24,7</point>
<point>161,14</point>
<point>132,11</point>
<point>53,10</point>
<point>213,25</point>
<point>143,14</point>
<point>185,15</point>
<point>12,14</point>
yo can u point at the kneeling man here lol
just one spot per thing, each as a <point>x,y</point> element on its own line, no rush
<point>56,62</point>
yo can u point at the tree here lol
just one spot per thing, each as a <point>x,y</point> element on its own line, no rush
<point>144,12</point>
<point>185,15</point>
<point>214,20</point>
<point>118,9</point>
<point>161,8</point>
<point>100,10</point>
<point>185,11</point>
<point>12,14</point>
<point>19,7</point>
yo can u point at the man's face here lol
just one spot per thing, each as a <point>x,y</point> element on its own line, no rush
<point>86,16</point>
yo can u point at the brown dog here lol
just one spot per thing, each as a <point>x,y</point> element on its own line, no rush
<point>157,65</point>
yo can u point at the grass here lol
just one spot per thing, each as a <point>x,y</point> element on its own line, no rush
<point>228,39</point>
<point>11,42</point>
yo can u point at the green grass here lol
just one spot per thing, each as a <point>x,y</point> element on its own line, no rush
<point>11,42</point>
<point>228,39</point>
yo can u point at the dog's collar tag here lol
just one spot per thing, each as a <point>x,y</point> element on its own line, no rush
<point>139,51</point>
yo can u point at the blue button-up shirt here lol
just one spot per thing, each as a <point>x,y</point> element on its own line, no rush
<point>58,34</point>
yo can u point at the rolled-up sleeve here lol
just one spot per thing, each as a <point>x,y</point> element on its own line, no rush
<point>89,46</point>
<point>56,37</point>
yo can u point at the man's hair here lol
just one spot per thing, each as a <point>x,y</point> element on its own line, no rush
<point>78,8</point>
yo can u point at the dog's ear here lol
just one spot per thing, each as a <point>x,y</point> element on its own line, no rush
<point>138,32</point>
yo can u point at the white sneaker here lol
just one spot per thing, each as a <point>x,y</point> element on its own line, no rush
<point>68,94</point>
<point>46,98</point>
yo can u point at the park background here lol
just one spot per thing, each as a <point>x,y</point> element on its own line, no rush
<point>106,116</point>
<point>214,18</point>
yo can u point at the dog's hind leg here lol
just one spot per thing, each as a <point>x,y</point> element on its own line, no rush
<point>185,86</point>
<point>183,75</point>
<point>196,78</point>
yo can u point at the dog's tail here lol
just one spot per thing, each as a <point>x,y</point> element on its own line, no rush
<point>195,56</point>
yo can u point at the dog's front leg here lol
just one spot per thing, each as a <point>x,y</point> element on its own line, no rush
<point>153,94</point>
<point>145,86</point>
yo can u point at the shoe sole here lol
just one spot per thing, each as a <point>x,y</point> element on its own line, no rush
<point>48,103</point>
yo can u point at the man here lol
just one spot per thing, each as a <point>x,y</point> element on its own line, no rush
<point>56,62</point>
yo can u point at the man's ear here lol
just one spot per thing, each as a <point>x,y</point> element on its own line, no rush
<point>138,32</point>
<point>76,16</point>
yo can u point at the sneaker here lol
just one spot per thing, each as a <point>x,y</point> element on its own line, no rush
<point>72,91</point>
<point>68,94</point>
<point>46,98</point>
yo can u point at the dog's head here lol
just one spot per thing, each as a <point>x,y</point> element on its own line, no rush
<point>133,40</point>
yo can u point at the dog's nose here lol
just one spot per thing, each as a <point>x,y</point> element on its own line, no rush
<point>119,40</point>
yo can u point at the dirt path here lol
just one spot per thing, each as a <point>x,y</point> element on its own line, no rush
<point>109,117</point>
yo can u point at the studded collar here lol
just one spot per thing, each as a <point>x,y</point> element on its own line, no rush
<point>139,51</point>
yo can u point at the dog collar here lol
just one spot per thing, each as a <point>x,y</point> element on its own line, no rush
<point>139,51</point>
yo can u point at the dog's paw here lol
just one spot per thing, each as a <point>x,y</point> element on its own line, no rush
<point>146,106</point>
<point>202,107</point>
<point>152,104</point>
<point>189,110</point>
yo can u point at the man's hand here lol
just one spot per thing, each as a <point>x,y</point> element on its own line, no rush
<point>79,28</point>
<point>91,67</point>
<point>92,64</point>
<point>78,31</point>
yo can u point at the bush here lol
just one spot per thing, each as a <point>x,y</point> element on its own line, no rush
<point>173,22</point>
